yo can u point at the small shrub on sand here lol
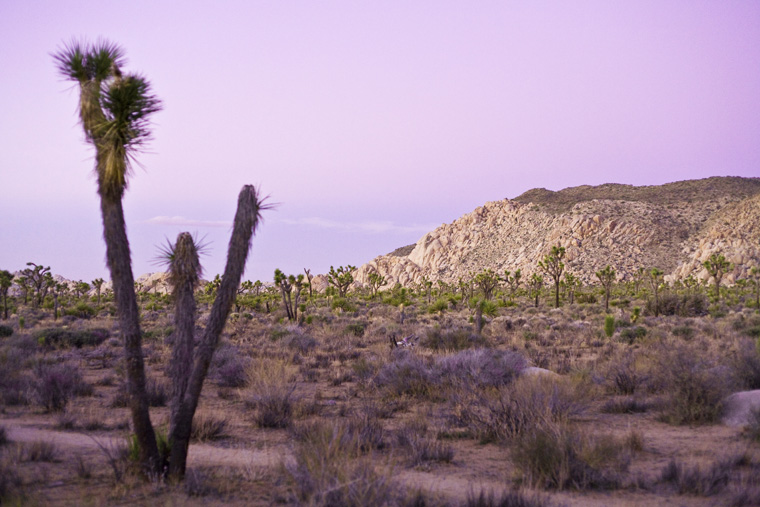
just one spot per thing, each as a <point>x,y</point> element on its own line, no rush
<point>481,367</point>
<point>507,499</point>
<point>558,456</point>
<point>452,339</point>
<point>56,384</point>
<point>208,426</point>
<point>64,338</point>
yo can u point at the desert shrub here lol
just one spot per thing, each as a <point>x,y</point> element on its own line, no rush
<point>356,329</point>
<point>452,339</point>
<point>627,405</point>
<point>687,305</point>
<point>81,311</point>
<point>753,425</point>
<point>419,448</point>
<point>11,483</point>
<point>685,332</point>
<point>440,305</point>
<point>158,394</point>
<point>272,394</point>
<point>197,483</point>
<point>3,436</point>
<point>273,407</point>
<point>695,386</point>
<point>503,413</point>
<point>745,361</point>
<point>365,428</point>
<point>631,334</point>
<point>5,331</point>
<point>58,337</point>
<point>300,342</point>
<point>506,499</point>
<point>557,456</point>
<point>40,451</point>
<point>481,367</point>
<point>609,325</point>
<point>229,367</point>
<point>343,304</point>
<point>56,384</point>
<point>329,469</point>
<point>621,376</point>
<point>407,374</point>
<point>694,480</point>
<point>208,426</point>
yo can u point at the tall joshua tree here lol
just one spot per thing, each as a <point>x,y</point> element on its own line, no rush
<point>717,265</point>
<point>6,279</point>
<point>553,266</point>
<point>606,277</point>
<point>114,110</point>
<point>190,366</point>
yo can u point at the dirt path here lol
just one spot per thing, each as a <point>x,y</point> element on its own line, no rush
<point>199,454</point>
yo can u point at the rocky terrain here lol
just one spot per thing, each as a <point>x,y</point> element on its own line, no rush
<point>673,227</point>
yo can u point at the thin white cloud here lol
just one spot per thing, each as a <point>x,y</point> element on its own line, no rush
<point>186,222</point>
<point>367,226</point>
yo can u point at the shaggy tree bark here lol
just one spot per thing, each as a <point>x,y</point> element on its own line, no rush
<point>246,222</point>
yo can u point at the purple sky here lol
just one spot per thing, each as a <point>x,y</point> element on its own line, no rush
<point>369,123</point>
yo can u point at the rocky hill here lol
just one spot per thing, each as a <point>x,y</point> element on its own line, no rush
<point>673,227</point>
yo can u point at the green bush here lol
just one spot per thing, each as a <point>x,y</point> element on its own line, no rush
<point>631,334</point>
<point>82,311</point>
<point>343,304</point>
<point>58,337</point>
<point>440,305</point>
<point>609,326</point>
<point>452,339</point>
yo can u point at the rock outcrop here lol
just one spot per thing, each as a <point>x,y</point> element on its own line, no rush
<point>674,227</point>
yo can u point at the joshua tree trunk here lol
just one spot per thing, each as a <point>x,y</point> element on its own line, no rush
<point>119,263</point>
<point>246,221</point>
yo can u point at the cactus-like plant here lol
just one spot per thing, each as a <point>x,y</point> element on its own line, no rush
<point>606,277</point>
<point>717,265</point>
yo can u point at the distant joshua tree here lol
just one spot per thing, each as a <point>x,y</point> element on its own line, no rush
<point>36,275</point>
<point>553,266</point>
<point>572,283</point>
<point>717,265</point>
<point>290,289</point>
<point>376,280</point>
<point>655,280</point>
<point>487,281</point>
<point>535,284</point>
<point>606,277</point>
<point>98,284</point>
<point>6,279</point>
<point>341,279</point>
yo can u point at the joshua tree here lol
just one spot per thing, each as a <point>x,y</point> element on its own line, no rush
<point>341,278</point>
<point>754,274</point>
<point>638,278</point>
<point>655,279</point>
<point>513,282</point>
<point>571,284</point>
<point>487,281</point>
<point>426,287</point>
<point>23,283</point>
<point>535,284</point>
<point>98,284</point>
<point>717,265</point>
<point>37,281</point>
<point>606,278</point>
<point>6,279</point>
<point>308,282</point>
<point>81,288</point>
<point>190,367</point>
<point>553,266</point>
<point>287,284</point>
<point>376,280</point>
<point>114,110</point>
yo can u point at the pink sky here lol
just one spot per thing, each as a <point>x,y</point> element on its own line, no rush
<point>368,122</point>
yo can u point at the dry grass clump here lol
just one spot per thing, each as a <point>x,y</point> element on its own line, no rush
<point>208,426</point>
<point>419,448</point>
<point>503,413</point>
<point>271,393</point>
<point>56,384</point>
<point>452,339</point>
<point>229,367</point>
<point>331,467</point>
<point>694,383</point>
<point>507,499</point>
<point>559,456</point>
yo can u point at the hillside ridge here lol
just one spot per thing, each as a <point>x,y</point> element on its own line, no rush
<point>674,227</point>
